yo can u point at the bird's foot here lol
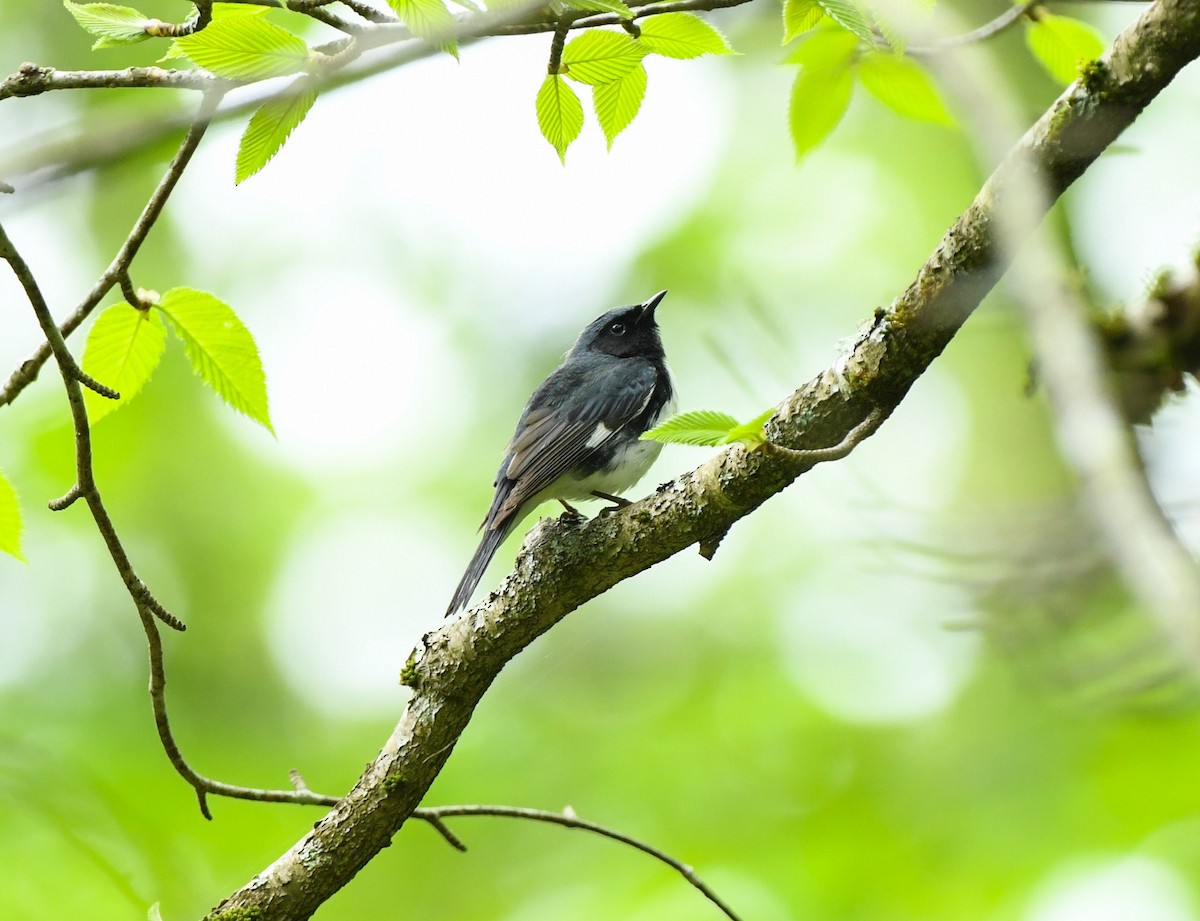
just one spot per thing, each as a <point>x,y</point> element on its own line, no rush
<point>617,502</point>
<point>571,513</point>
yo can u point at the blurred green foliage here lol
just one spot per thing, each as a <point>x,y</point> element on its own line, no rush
<point>798,720</point>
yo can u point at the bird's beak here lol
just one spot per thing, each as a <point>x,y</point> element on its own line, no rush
<point>648,307</point>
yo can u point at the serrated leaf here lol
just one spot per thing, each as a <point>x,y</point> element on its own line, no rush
<point>799,16</point>
<point>1062,44</point>
<point>820,98</point>
<point>682,36</point>
<point>10,519</point>
<point>702,427</point>
<point>115,25</point>
<point>751,433</point>
<point>597,57</point>
<point>903,86</point>
<point>226,10</point>
<point>123,348</point>
<point>245,48</point>
<point>601,6</point>
<point>617,103</point>
<point>271,126</point>
<point>559,114</point>
<point>221,350</point>
<point>429,20</point>
<point>849,15</point>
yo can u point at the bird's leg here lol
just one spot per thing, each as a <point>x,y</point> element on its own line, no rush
<point>572,512</point>
<point>617,502</point>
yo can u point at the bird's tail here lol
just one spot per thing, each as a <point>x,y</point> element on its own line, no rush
<point>492,539</point>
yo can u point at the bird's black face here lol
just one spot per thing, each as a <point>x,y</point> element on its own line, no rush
<point>626,332</point>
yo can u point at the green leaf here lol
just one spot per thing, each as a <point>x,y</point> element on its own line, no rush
<point>10,520</point>
<point>618,102</point>
<point>245,48</point>
<point>703,427</point>
<point>559,114</point>
<point>819,100</point>
<point>429,20</point>
<point>1062,45</point>
<point>751,433</point>
<point>824,49</point>
<point>799,16</point>
<point>601,6</point>
<point>598,57</point>
<point>903,86</point>
<point>227,10</point>
<point>271,126</point>
<point>115,25</point>
<point>221,350</point>
<point>123,348</point>
<point>848,15</point>
<point>683,36</point>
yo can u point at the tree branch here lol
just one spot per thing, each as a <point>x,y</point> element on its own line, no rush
<point>565,564</point>
<point>568,819</point>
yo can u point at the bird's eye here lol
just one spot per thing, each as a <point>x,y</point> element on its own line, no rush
<point>617,329</point>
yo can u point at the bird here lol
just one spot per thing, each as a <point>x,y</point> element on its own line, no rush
<point>580,434</point>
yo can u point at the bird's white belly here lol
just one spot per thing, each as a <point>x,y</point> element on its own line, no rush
<point>627,468</point>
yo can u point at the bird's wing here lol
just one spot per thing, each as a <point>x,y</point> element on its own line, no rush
<point>550,442</point>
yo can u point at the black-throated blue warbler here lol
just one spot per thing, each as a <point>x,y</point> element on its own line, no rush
<point>579,436</point>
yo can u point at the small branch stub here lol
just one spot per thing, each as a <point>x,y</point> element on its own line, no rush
<point>65,501</point>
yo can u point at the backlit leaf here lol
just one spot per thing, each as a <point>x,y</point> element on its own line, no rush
<point>10,520</point>
<point>271,126</point>
<point>115,25</point>
<point>559,114</point>
<point>703,427</point>
<point>617,103</point>
<point>123,348</point>
<point>824,49</point>
<point>221,350</point>
<point>799,16</point>
<point>849,15</point>
<point>683,36</point>
<point>819,100</point>
<point>902,85</point>
<point>751,433</point>
<point>598,56</point>
<point>429,20</point>
<point>245,48</point>
<point>1062,45</point>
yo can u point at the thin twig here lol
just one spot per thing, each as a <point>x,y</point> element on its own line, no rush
<point>80,152</point>
<point>568,819</point>
<point>119,267</point>
<point>200,783</point>
<point>558,42</point>
<point>809,457</point>
<point>988,30</point>
<point>148,607</point>
<point>843,448</point>
<point>32,80</point>
<point>85,480</point>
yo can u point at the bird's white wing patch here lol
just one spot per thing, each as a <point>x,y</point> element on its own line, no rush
<point>599,433</point>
